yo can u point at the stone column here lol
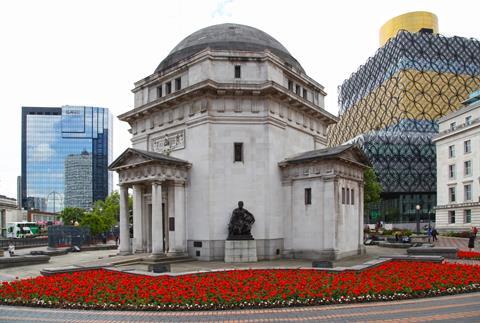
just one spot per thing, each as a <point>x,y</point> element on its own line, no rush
<point>288,220</point>
<point>180,218</point>
<point>157,220</point>
<point>125,246</point>
<point>137,218</point>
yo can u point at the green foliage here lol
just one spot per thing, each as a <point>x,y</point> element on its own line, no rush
<point>71,214</point>
<point>104,214</point>
<point>372,187</point>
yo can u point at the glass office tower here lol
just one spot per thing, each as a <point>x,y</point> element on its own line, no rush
<point>65,156</point>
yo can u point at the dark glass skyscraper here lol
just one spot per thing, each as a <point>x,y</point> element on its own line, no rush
<point>65,155</point>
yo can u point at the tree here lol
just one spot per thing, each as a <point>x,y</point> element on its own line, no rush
<point>372,187</point>
<point>97,223</point>
<point>71,214</point>
<point>104,214</point>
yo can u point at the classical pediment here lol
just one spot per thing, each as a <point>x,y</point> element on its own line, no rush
<point>349,153</point>
<point>136,157</point>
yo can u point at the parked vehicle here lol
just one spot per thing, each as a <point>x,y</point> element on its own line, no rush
<point>21,229</point>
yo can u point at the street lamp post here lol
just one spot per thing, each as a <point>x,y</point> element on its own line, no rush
<point>429,227</point>
<point>417,217</point>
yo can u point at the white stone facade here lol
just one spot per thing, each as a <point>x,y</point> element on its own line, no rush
<point>458,168</point>
<point>198,111</point>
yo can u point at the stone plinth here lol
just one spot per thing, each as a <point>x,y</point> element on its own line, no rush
<point>240,251</point>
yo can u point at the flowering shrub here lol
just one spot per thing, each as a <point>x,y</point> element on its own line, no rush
<point>468,255</point>
<point>241,288</point>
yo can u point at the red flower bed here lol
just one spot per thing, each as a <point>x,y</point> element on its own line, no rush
<point>241,288</point>
<point>468,255</point>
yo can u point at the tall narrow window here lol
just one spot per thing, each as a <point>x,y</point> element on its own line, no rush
<point>467,168</point>
<point>238,71</point>
<point>451,216</point>
<point>305,92</point>
<point>297,89</point>
<point>451,171</point>
<point>343,195</point>
<point>451,151</point>
<point>467,215</point>
<point>453,125</point>
<point>468,120</point>
<point>168,87</point>
<point>238,152</point>
<point>348,196</point>
<point>352,199</point>
<point>178,83</point>
<point>308,196</point>
<point>159,91</point>
<point>451,194</point>
<point>290,85</point>
<point>467,190</point>
<point>467,146</point>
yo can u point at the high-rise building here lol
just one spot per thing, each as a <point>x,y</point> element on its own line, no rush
<point>53,142</point>
<point>391,104</point>
<point>78,180</point>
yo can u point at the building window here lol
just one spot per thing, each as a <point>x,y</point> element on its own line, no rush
<point>451,171</point>
<point>297,89</point>
<point>238,71</point>
<point>467,189</point>
<point>159,91</point>
<point>352,200</point>
<point>348,196</point>
<point>178,83</point>
<point>308,196</point>
<point>451,151</point>
<point>467,167</point>
<point>290,85</point>
<point>451,216</point>
<point>343,195</point>
<point>238,152</point>
<point>451,194</point>
<point>468,120</point>
<point>453,125</point>
<point>168,87</point>
<point>305,92</point>
<point>467,146</point>
<point>467,216</point>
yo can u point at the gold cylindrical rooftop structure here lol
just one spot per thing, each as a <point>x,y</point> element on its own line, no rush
<point>412,21</point>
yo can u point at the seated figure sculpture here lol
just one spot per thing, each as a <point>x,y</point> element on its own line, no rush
<point>240,224</point>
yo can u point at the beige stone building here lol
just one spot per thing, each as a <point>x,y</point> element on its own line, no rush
<point>230,115</point>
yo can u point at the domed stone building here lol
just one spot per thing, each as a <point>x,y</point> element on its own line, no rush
<point>230,115</point>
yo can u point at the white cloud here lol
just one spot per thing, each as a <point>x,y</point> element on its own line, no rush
<point>42,152</point>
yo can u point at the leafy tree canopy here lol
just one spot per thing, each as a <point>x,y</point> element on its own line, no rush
<point>71,214</point>
<point>372,187</point>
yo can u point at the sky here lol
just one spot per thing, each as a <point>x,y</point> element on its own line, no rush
<point>89,53</point>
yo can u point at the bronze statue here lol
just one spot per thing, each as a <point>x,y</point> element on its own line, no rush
<point>240,224</point>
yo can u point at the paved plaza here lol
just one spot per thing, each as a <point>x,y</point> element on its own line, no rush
<point>462,308</point>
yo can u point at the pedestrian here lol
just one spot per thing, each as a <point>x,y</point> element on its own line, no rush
<point>475,231</point>
<point>434,234</point>
<point>471,242</point>
<point>11,249</point>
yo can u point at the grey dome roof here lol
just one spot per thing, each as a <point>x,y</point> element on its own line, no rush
<point>227,37</point>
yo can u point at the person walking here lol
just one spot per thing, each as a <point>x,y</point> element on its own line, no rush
<point>475,231</point>
<point>434,235</point>
<point>471,242</point>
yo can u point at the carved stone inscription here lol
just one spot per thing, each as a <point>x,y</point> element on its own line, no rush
<point>168,142</point>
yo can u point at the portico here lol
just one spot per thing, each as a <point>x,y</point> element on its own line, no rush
<point>158,185</point>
